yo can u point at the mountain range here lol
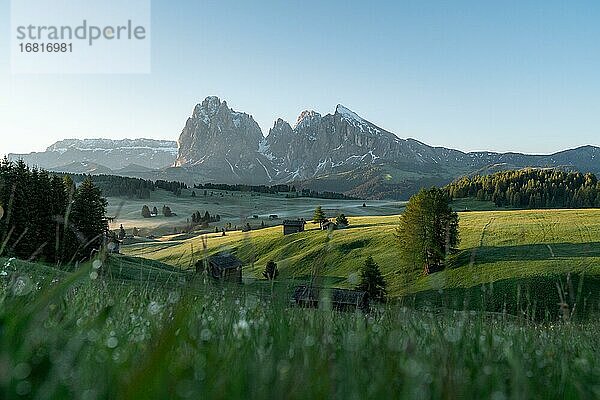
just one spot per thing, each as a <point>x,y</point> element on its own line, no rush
<point>340,151</point>
<point>103,155</point>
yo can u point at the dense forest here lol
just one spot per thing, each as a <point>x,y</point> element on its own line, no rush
<point>274,189</point>
<point>247,188</point>
<point>531,188</point>
<point>133,188</point>
<point>48,217</point>
<point>171,186</point>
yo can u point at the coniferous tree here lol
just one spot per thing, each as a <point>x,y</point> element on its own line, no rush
<point>21,208</point>
<point>342,220</point>
<point>88,217</point>
<point>271,271</point>
<point>42,220</point>
<point>146,211</point>
<point>37,221</point>
<point>122,233</point>
<point>166,210</point>
<point>319,216</point>
<point>58,207</point>
<point>69,186</point>
<point>428,230</point>
<point>371,280</point>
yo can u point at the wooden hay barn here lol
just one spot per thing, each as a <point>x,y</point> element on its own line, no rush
<point>225,267</point>
<point>341,299</point>
<point>293,226</point>
<point>325,226</point>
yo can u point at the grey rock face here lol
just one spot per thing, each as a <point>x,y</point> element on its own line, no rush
<point>341,151</point>
<point>224,144</point>
<point>342,141</point>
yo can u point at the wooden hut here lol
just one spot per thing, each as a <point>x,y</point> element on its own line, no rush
<point>225,267</point>
<point>327,225</point>
<point>341,299</point>
<point>293,226</point>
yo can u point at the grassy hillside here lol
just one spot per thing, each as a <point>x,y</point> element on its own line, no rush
<point>495,246</point>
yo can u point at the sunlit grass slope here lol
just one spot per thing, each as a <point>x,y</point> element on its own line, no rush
<point>495,245</point>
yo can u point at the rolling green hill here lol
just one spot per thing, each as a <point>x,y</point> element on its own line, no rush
<point>495,246</point>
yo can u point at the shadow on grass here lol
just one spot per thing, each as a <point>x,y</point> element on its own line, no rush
<point>323,280</point>
<point>536,298</point>
<point>531,252</point>
<point>139,269</point>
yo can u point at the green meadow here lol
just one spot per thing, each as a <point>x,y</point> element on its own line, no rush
<point>513,316</point>
<point>495,246</point>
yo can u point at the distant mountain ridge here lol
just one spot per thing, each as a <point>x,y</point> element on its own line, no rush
<point>340,152</point>
<point>107,154</point>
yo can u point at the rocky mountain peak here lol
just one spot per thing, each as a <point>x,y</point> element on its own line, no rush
<point>307,117</point>
<point>280,127</point>
<point>348,114</point>
<point>209,108</point>
<point>217,139</point>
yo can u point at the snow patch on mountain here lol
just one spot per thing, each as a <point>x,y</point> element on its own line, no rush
<point>265,149</point>
<point>266,170</point>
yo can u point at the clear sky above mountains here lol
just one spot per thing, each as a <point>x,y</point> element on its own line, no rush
<point>472,75</point>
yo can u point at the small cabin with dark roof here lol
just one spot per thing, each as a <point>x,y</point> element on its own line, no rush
<point>327,225</point>
<point>341,299</point>
<point>225,267</point>
<point>293,226</point>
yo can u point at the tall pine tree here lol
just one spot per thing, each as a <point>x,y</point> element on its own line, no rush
<point>428,230</point>
<point>371,280</point>
<point>88,218</point>
<point>319,216</point>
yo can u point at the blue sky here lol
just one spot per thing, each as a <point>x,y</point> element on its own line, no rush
<point>472,75</point>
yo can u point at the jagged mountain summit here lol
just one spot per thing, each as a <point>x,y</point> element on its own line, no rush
<point>229,145</point>
<point>322,145</point>
<point>340,151</point>
<point>77,155</point>
<point>220,142</point>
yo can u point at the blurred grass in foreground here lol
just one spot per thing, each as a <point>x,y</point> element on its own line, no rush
<point>144,331</point>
